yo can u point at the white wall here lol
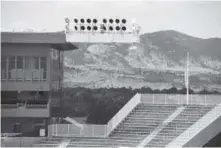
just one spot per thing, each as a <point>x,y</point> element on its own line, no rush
<point>205,135</point>
<point>25,112</point>
<point>20,141</point>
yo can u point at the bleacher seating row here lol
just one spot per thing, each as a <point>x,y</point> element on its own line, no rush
<point>140,123</point>
<point>27,103</point>
<point>182,122</point>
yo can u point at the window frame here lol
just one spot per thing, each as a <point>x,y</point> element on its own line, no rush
<point>13,67</point>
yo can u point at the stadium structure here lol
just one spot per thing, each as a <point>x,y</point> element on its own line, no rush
<point>32,75</point>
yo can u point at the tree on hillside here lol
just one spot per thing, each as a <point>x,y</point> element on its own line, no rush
<point>183,91</point>
<point>172,90</point>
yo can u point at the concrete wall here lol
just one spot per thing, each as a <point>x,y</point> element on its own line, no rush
<point>25,112</point>
<point>25,86</point>
<point>7,124</point>
<point>215,142</point>
<point>29,126</point>
<point>20,141</point>
<point>205,135</point>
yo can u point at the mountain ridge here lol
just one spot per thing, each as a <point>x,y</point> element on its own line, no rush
<point>159,52</point>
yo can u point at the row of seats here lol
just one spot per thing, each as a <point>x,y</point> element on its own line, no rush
<point>141,122</point>
<point>49,142</point>
<point>181,123</point>
<point>135,127</point>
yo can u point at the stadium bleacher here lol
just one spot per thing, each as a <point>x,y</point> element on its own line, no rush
<point>140,123</point>
<point>184,120</point>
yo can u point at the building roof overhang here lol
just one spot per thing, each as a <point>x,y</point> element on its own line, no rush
<point>56,40</point>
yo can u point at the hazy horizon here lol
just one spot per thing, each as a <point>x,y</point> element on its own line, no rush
<point>198,19</point>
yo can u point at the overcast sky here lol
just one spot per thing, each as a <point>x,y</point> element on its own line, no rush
<point>200,19</point>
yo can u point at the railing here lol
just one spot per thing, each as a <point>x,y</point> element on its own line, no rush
<point>25,74</point>
<point>26,110</point>
<point>95,130</point>
<point>196,128</point>
<point>123,113</point>
<point>20,141</point>
<point>14,103</point>
<point>180,99</point>
<point>71,130</point>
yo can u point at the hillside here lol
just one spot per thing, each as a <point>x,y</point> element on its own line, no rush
<point>158,61</point>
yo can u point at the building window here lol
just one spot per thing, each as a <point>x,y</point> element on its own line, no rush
<point>24,68</point>
<point>36,62</point>
<point>43,66</point>
<point>20,68</point>
<point>20,62</point>
<point>27,62</point>
<point>11,68</point>
<point>4,68</point>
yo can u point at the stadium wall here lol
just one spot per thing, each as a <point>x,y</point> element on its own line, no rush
<point>20,141</point>
<point>205,135</point>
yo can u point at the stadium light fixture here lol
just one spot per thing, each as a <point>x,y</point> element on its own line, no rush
<point>111,21</point>
<point>88,28</point>
<point>124,21</point>
<point>89,21</point>
<point>95,21</point>
<point>75,20</point>
<point>113,29</point>
<point>117,21</point>
<point>104,21</point>
<point>67,20</point>
<point>82,20</point>
<point>117,28</point>
<point>124,28</point>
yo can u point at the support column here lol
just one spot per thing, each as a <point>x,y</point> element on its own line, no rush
<point>60,77</point>
<point>46,127</point>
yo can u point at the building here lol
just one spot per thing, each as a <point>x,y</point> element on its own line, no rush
<point>30,74</point>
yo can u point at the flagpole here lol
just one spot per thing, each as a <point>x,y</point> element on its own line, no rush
<point>187,79</point>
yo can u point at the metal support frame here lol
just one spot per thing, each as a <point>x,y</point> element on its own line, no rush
<point>60,78</point>
<point>187,79</point>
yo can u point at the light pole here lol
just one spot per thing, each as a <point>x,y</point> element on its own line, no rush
<point>187,79</point>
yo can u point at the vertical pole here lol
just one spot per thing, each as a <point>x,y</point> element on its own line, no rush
<point>52,127</point>
<point>56,132</point>
<point>23,68</point>
<point>187,79</point>
<point>7,67</point>
<point>16,69</point>
<point>153,98</point>
<point>60,84</point>
<point>92,130</point>
<point>165,99</point>
<point>68,130</point>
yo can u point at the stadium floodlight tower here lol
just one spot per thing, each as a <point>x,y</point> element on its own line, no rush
<point>100,31</point>
<point>105,30</point>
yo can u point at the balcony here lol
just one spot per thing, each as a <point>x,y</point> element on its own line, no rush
<point>28,108</point>
<point>24,79</point>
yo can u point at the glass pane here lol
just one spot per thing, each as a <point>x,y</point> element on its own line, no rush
<point>27,62</point>
<point>44,74</point>
<point>36,62</point>
<point>11,62</point>
<point>20,62</point>
<point>43,67</point>
<point>11,68</point>
<point>43,63</point>
<point>3,67</point>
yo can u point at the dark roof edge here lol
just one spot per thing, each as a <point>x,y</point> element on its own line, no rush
<point>56,39</point>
